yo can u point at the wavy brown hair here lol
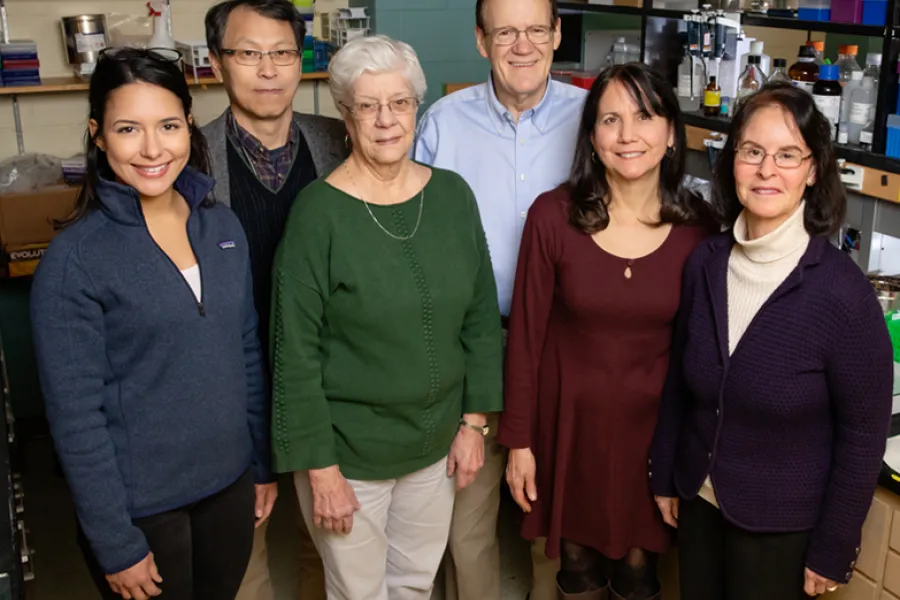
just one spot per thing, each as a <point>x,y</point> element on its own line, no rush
<point>587,183</point>
<point>826,199</point>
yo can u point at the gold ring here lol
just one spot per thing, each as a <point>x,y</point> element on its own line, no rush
<point>833,588</point>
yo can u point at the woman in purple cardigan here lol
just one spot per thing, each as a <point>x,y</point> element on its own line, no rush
<point>776,409</point>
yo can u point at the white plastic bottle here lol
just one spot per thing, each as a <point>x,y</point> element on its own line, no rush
<point>849,87</point>
<point>765,61</point>
<point>162,38</point>
<point>862,107</point>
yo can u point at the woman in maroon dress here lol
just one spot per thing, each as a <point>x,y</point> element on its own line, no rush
<point>597,289</point>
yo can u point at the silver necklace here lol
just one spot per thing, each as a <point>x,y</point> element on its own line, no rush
<point>401,238</point>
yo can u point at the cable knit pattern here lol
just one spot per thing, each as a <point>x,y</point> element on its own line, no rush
<point>792,426</point>
<point>755,269</point>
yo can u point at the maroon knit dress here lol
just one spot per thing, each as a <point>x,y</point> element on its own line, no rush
<point>586,360</point>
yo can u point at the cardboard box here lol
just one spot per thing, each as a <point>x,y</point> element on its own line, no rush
<point>26,224</point>
<point>23,260</point>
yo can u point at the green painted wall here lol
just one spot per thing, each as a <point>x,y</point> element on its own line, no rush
<point>442,32</point>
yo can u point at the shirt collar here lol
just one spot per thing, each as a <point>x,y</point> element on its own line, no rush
<point>500,115</point>
<point>252,146</point>
<point>122,202</point>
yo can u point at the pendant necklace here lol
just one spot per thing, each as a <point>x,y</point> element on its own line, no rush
<point>401,238</point>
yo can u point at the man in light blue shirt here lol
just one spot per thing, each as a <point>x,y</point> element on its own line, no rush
<point>511,138</point>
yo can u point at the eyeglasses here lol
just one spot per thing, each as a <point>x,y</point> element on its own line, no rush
<point>784,159</point>
<point>370,110</point>
<point>128,53</point>
<point>507,36</point>
<point>251,58</point>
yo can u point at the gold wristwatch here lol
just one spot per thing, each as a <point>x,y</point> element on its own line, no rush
<point>483,430</point>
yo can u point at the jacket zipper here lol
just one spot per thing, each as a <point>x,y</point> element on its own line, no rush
<point>201,309</point>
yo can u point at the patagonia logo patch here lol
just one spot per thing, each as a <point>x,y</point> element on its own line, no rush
<point>227,245</point>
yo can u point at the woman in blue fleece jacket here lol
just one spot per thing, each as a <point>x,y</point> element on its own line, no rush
<point>146,341</point>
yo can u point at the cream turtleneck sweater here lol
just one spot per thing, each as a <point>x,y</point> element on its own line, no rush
<point>755,270</point>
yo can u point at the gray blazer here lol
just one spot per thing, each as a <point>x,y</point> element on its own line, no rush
<point>324,136</point>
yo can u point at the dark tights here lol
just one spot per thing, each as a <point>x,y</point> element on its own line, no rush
<point>583,569</point>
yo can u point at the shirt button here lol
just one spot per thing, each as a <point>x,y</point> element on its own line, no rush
<point>522,176</point>
<point>650,474</point>
<point>718,412</point>
<point>523,214</point>
<point>709,456</point>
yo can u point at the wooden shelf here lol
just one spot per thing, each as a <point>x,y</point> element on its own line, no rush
<point>51,85</point>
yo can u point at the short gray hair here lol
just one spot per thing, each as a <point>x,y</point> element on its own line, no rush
<point>373,54</point>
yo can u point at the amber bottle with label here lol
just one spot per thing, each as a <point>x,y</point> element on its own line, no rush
<point>712,98</point>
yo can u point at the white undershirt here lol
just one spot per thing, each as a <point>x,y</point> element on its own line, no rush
<point>192,276</point>
<point>756,268</point>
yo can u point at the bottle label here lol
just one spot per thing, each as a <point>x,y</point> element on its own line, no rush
<point>860,112</point>
<point>830,106</point>
<point>689,86</point>
<point>842,137</point>
<point>865,137</point>
<point>804,85</point>
<point>712,98</point>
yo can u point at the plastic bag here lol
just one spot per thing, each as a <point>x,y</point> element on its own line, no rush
<point>29,172</point>
<point>125,30</point>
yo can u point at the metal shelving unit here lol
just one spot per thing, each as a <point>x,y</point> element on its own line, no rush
<point>887,87</point>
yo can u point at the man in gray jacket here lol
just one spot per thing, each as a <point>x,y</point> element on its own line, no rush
<point>263,154</point>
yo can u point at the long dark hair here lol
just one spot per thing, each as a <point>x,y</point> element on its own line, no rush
<point>114,69</point>
<point>826,199</point>
<point>587,182</point>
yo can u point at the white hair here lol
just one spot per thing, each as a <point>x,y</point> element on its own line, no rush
<point>373,54</point>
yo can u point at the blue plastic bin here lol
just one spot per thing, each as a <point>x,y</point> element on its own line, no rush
<point>892,147</point>
<point>814,14</point>
<point>874,12</point>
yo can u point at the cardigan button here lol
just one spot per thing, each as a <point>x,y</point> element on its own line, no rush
<point>650,474</point>
<point>849,575</point>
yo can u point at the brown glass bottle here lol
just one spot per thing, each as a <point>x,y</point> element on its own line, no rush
<point>712,98</point>
<point>805,72</point>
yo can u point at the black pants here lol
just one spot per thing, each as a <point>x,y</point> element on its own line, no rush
<point>718,561</point>
<point>201,550</point>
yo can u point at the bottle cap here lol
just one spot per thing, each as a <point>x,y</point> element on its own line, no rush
<point>817,45</point>
<point>829,72</point>
<point>873,58</point>
<point>842,48</point>
<point>756,47</point>
<point>806,52</point>
<point>852,49</point>
<point>754,59</point>
<point>712,78</point>
<point>856,75</point>
<point>780,62</point>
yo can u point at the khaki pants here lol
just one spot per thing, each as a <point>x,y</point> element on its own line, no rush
<point>303,562</point>
<point>472,561</point>
<point>398,538</point>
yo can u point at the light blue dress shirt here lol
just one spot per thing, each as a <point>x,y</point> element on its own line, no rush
<point>507,164</point>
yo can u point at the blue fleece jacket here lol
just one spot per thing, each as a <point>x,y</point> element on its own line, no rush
<point>155,400</point>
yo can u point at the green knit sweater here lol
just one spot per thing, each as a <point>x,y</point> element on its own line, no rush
<point>380,345</point>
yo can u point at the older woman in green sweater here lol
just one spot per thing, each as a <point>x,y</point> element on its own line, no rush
<point>386,334</point>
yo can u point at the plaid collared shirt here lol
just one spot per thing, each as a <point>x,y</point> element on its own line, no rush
<point>271,166</point>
